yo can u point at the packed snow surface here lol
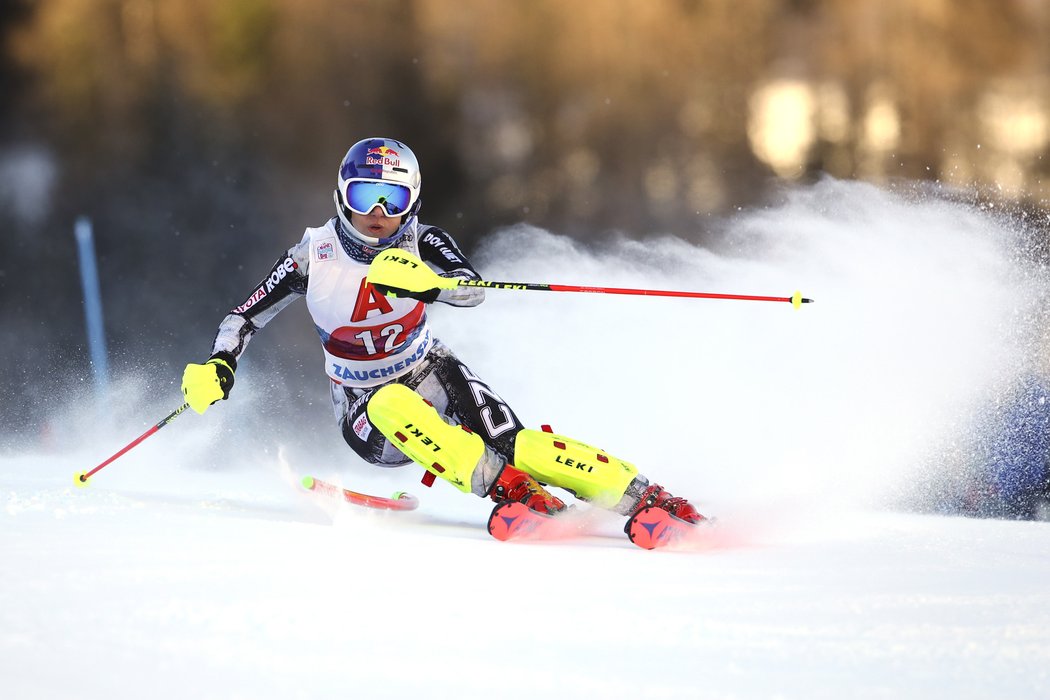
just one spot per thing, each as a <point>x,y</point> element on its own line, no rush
<point>196,566</point>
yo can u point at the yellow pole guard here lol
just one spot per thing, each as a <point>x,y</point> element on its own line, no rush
<point>402,270</point>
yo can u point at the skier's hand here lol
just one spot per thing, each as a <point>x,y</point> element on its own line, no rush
<point>428,296</point>
<point>203,385</point>
<point>399,273</point>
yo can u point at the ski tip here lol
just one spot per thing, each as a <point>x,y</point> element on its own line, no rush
<point>80,479</point>
<point>308,483</point>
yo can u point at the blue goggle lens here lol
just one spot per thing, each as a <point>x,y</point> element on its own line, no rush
<point>362,197</point>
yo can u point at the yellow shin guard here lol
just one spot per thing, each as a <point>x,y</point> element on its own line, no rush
<point>411,424</point>
<point>588,472</point>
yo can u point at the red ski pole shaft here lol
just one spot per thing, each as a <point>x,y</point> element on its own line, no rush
<point>81,478</point>
<point>796,299</point>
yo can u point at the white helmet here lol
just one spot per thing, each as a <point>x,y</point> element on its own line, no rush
<point>380,172</point>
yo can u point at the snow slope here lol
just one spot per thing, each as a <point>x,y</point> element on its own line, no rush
<point>195,567</point>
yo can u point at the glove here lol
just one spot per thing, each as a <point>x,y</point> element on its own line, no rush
<point>203,385</point>
<point>428,296</point>
<point>399,273</point>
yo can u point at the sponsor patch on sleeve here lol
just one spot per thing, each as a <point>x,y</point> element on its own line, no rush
<point>251,301</point>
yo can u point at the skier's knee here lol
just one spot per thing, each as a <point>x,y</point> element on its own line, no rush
<point>377,451</point>
<point>451,452</point>
<point>590,473</point>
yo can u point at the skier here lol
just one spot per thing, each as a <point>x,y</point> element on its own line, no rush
<point>397,390</point>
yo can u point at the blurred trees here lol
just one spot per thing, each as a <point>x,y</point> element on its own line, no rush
<point>202,137</point>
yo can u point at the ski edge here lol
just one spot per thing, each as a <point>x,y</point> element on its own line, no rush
<point>398,501</point>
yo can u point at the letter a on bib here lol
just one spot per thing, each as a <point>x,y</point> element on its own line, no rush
<point>369,299</point>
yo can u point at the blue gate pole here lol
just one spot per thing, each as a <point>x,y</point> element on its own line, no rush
<point>92,304</point>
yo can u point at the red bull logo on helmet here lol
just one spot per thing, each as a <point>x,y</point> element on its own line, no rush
<point>382,155</point>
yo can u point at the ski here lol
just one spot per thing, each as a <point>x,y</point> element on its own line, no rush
<point>399,501</point>
<point>654,527</point>
<point>511,520</point>
<point>649,528</point>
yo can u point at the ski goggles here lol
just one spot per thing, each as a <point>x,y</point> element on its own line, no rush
<point>362,196</point>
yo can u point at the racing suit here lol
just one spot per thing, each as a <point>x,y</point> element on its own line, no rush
<point>369,339</point>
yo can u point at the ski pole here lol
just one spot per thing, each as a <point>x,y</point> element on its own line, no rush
<point>795,299</point>
<point>80,478</point>
<point>399,269</point>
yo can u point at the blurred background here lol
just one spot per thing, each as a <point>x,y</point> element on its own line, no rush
<point>202,137</point>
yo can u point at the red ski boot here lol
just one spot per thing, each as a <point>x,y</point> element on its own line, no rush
<point>515,485</point>
<point>660,518</point>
